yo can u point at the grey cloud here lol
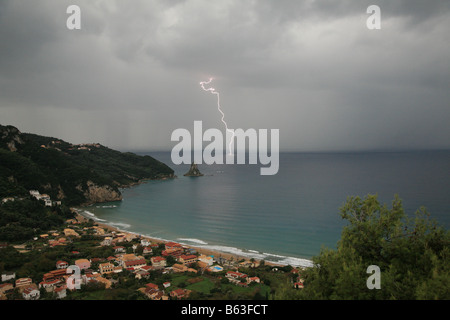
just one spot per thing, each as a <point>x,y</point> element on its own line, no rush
<point>310,68</point>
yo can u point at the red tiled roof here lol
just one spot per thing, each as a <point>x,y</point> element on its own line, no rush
<point>28,290</point>
<point>158,259</point>
<point>151,291</point>
<point>189,257</point>
<point>236,274</point>
<point>50,282</point>
<point>152,285</point>
<point>132,263</point>
<point>178,292</point>
<point>58,289</point>
<point>147,268</point>
<point>172,252</point>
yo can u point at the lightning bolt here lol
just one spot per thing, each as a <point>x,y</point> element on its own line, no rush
<point>213,91</point>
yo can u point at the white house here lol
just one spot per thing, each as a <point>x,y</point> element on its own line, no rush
<point>47,200</point>
<point>61,292</point>
<point>5,200</point>
<point>44,197</point>
<point>49,286</point>
<point>206,259</point>
<point>31,293</point>
<point>147,250</point>
<point>119,249</point>
<point>62,265</point>
<point>87,278</point>
<point>8,276</point>
<point>107,241</point>
<point>34,193</point>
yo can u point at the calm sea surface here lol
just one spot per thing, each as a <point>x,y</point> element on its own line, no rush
<point>285,218</point>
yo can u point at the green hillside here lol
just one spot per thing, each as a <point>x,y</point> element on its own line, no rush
<point>75,174</point>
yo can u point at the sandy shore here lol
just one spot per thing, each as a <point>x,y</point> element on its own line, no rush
<point>226,255</point>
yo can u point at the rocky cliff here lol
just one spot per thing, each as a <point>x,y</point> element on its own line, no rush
<point>96,194</point>
<point>10,136</point>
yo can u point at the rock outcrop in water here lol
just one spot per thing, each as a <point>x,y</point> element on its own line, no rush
<point>193,171</point>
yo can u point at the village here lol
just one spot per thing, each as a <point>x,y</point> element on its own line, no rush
<point>154,270</point>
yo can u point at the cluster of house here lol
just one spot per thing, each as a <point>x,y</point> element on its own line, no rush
<point>154,292</point>
<point>186,259</point>
<point>44,197</point>
<point>84,146</point>
<point>52,145</point>
<point>28,289</point>
<point>56,238</point>
<point>57,281</point>
<point>7,199</point>
<point>241,279</point>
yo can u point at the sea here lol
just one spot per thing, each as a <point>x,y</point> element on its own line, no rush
<point>285,218</point>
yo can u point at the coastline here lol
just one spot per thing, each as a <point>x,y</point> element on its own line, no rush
<point>229,256</point>
<point>201,250</point>
<point>129,185</point>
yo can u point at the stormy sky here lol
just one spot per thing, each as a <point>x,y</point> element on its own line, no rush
<point>311,69</point>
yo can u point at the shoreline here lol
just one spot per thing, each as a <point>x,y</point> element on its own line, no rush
<point>130,185</point>
<point>201,250</point>
<point>109,228</point>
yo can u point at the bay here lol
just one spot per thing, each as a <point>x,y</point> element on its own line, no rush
<point>284,218</point>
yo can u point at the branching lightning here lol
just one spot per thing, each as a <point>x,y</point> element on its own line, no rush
<point>213,91</point>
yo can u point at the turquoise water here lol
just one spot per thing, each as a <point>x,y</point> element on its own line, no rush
<point>285,218</point>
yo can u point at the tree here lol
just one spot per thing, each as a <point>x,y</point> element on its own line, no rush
<point>412,254</point>
<point>170,261</point>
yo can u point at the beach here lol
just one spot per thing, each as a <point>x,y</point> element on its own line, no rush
<point>204,251</point>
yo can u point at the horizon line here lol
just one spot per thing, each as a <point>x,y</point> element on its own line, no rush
<point>399,150</point>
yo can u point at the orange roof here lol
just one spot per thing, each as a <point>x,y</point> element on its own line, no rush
<point>158,259</point>
<point>58,289</point>
<point>237,274</point>
<point>189,257</point>
<point>132,263</point>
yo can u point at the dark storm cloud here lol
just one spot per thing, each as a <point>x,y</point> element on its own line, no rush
<point>312,69</point>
